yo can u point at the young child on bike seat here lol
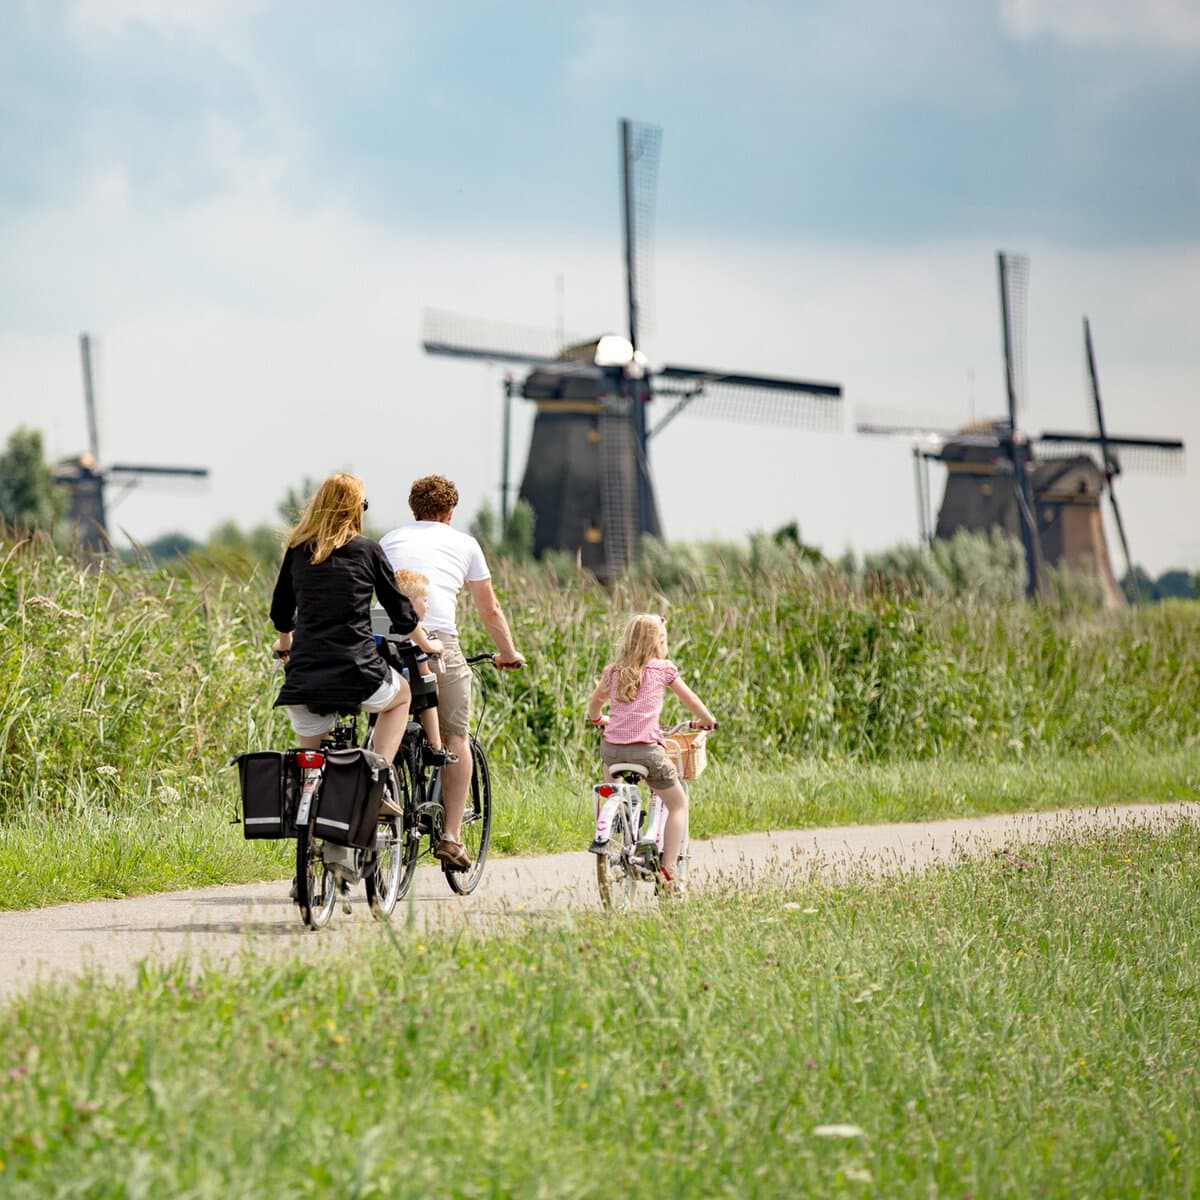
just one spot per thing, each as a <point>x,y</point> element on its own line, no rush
<point>416,587</point>
<point>634,687</point>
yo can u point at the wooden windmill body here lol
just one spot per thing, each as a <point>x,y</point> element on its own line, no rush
<point>1045,490</point>
<point>587,476</point>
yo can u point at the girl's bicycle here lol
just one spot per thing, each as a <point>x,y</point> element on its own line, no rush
<point>628,839</point>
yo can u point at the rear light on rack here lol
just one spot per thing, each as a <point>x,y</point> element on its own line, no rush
<point>308,760</point>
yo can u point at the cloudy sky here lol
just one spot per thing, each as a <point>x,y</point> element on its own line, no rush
<point>250,204</point>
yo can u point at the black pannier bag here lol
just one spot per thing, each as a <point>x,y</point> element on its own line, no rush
<point>270,783</point>
<point>347,808</point>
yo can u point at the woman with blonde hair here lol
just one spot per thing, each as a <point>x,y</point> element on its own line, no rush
<point>634,686</point>
<point>321,608</point>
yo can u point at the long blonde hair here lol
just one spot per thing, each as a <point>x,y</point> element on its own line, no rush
<point>331,518</point>
<point>642,640</point>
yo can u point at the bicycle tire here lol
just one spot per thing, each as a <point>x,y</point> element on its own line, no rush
<point>476,827</point>
<point>614,875</point>
<point>316,886</point>
<point>382,881</point>
<point>409,795</point>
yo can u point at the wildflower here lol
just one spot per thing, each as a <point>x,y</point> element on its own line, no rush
<point>107,771</point>
<point>837,1131</point>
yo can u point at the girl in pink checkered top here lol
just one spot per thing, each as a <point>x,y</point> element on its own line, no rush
<point>634,687</point>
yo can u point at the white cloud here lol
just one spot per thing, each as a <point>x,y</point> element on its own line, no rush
<point>1167,24</point>
<point>94,23</point>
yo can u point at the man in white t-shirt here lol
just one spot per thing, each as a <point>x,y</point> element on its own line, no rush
<point>449,559</point>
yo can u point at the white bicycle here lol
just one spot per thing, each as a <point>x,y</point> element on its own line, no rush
<point>628,840</point>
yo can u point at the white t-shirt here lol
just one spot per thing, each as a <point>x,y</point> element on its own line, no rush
<point>447,557</point>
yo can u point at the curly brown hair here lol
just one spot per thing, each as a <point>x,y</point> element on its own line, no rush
<point>432,497</point>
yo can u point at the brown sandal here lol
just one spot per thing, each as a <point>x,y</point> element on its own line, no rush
<point>453,854</point>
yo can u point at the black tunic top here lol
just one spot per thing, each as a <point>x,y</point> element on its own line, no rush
<point>334,660</point>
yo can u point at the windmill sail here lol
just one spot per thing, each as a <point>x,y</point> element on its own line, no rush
<point>1014,289</point>
<point>640,145</point>
<point>468,337</point>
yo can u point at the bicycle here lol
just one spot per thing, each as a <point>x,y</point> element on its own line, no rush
<point>421,792</point>
<point>626,853</point>
<point>326,870</point>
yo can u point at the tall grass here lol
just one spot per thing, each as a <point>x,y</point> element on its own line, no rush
<point>122,685</point>
<point>1021,1026</point>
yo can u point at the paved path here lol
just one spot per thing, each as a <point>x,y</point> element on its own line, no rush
<point>221,923</point>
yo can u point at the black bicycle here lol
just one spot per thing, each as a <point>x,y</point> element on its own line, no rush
<point>421,794</point>
<point>327,869</point>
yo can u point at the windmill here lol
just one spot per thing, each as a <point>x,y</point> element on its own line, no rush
<point>87,481</point>
<point>587,477</point>
<point>1044,488</point>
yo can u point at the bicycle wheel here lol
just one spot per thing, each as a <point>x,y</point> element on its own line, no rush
<point>477,825</point>
<point>614,875</point>
<point>410,847</point>
<point>316,887</point>
<point>382,881</point>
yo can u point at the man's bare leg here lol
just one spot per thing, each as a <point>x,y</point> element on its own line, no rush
<point>456,781</point>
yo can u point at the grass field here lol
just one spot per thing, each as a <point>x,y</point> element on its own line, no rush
<point>1025,1025</point>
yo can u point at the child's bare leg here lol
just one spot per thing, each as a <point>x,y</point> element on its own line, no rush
<point>433,732</point>
<point>676,800</point>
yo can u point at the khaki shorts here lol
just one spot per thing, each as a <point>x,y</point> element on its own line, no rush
<point>454,688</point>
<point>647,754</point>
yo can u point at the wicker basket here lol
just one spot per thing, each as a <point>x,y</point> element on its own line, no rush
<point>687,752</point>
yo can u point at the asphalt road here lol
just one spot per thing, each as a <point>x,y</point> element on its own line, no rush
<point>112,937</point>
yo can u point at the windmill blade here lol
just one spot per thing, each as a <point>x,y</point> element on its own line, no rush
<point>757,399</point>
<point>139,469</point>
<point>1111,466</point>
<point>89,396</point>
<point>928,441</point>
<point>1014,292</point>
<point>470,337</point>
<point>1014,288</point>
<point>639,181</point>
<point>1139,454</point>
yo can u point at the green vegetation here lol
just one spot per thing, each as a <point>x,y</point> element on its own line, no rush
<point>1021,1026</point>
<point>125,689</point>
<point>29,498</point>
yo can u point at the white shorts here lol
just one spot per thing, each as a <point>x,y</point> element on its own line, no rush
<point>307,723</point>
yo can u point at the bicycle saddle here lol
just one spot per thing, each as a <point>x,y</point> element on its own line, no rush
<point>621,769</point>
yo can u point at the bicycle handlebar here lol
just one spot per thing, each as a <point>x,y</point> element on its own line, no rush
<point>399,639</point>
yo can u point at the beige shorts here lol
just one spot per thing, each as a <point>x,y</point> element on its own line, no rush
<point>651,755</point>
<point>454,688</point>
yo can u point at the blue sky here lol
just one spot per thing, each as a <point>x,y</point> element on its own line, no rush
<point>250,204</point>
